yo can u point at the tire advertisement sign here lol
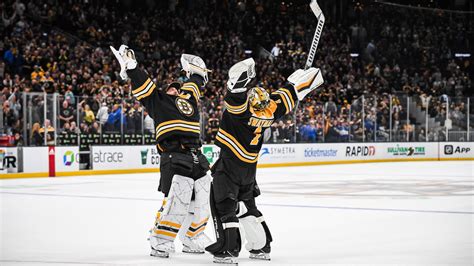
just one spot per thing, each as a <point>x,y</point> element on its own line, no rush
<point>411,150</point>
<point>124,157</point>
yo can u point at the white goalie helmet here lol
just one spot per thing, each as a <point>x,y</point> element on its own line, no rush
<point>240,75</point>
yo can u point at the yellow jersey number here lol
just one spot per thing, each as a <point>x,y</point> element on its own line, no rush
<point>258,133</point>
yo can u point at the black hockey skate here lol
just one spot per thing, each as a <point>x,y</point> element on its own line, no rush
<point>226,257</point>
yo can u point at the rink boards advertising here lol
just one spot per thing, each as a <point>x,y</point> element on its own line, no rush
<point>36,161</point>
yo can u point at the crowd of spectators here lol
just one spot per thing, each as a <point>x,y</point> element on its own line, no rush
<point>57,47</point>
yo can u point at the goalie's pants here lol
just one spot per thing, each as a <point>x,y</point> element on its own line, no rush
<point>185,163</point>
<point>233,182</point>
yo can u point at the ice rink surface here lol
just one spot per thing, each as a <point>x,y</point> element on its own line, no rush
<point>413,213</point>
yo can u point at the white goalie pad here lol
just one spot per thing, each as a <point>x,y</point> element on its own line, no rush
<point>174,211</point>
<point>305,81</point>
<point>192,234</point>
<point>202,188</point>
<point>254,232</point>
<point>240,75</point>
<point>253,229</point>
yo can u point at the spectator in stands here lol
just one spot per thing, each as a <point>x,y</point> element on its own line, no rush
<point>8,117</point>
<point>115,119</point>
<point>73,128</point>
<point>88,115</point>
<point>275,133</point>
<point>66,114</point>
<point>48,131</point>
<point>403,58</point>
<point>103,114</point>
<point>36,139</point>
<point>148,123</point>
<point>95,128</point>
<point>212,127</point>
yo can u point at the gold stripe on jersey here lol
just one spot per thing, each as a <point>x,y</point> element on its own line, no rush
<point>150,91</point>
<point>286,98</point>
<point>160,148</point>
<point>142,87</point>
<point>237,109</point>
<point>145,90</point>
<point>178,125</point>
<point>288,93</point>
<point>190,86</point>
<point>239,151</point>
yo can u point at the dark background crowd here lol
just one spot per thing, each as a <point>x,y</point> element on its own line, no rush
<point>391,73</point>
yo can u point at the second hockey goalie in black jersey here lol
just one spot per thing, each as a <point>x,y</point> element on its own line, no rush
<point>183,169</point>
<point>247,114</point>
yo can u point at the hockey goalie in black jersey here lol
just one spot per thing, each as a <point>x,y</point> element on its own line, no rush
<point>183,169</point>
<point>248,113</point>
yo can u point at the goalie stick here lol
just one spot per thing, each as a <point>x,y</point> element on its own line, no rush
<point>317,34</point>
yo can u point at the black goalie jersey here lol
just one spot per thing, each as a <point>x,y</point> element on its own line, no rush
<point>240,135</point>
<point>175,116</point>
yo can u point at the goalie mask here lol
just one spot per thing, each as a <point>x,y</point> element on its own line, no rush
<point>259,98</point>
<point>240,75</point>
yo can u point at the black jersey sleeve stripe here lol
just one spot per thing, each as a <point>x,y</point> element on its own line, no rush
<point>142,87</point>
<point>236,109</point>
<point>148,93</point>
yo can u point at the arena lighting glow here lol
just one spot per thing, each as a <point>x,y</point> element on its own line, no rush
<point>462,55</point>
<point>354,55</point>
<point>248,51</point>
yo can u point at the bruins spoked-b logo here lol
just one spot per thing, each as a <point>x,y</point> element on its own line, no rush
<point>184,106</point>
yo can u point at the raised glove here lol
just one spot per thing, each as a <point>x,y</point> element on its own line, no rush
<point>305,81</point>
<point>126,59</point>
<point>194,65</point>
<point>240,75</point>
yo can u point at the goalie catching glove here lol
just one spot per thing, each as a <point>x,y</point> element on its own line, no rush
<point>126,59</point>
<point>305,81</point>
<point>194,65</point>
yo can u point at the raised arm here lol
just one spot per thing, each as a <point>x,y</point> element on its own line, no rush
<point>196,72</point>
<point>240,74</point>
<point>143,88</point>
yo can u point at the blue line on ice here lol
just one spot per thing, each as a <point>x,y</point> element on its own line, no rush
<point>261,204</point>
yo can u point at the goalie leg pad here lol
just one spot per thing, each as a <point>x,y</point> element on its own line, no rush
<point>174,212</point>
<point>194,239</point>
<point>256,230</point>
<point>251,222</point>
<point>228,242</point>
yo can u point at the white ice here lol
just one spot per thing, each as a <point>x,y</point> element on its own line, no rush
<point>386,213</point>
